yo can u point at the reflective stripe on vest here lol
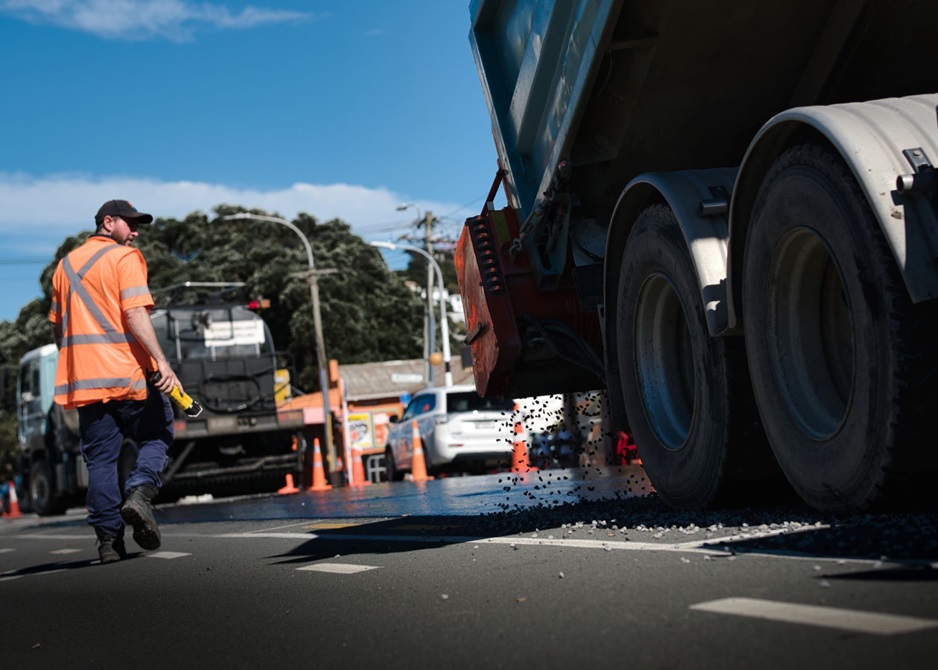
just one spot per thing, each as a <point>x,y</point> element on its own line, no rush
<point>134,291</point>
<point>111,334</point>
<point>114,382</point>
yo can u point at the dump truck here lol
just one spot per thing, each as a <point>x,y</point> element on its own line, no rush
<point>724,214</point>
<point>240,443</point>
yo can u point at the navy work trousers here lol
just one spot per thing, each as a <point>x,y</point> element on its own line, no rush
<point>104,428</point>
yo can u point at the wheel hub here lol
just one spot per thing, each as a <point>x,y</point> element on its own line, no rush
<point>664,361</point>
<point>810,333</point>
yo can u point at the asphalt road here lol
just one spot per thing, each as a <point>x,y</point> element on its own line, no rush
<point>479,572</point>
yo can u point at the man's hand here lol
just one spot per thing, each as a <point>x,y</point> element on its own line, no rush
<point>168,378</point>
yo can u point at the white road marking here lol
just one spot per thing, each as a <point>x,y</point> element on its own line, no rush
<point>603,544</point>
<point>460,539</point>
<point>272,536</point>
<point>168,554</point>
<point>812,615</point>
<point>84,536</point>
<point>759,534</point>
<point>6,550</point>
<point>339,568</point>
<point>304,522</point>
<point>65,551</point>
<point>9,578</point>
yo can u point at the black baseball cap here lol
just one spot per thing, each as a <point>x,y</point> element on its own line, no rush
<point>122,209</point>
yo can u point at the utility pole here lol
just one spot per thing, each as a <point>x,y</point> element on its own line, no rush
<point>430,338</point>
<point>323,363</point>
<point>426,220</point>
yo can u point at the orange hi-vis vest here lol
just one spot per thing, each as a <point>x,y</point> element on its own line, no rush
<point>99,358</point>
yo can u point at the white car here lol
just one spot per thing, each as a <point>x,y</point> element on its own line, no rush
<point>458,431</point>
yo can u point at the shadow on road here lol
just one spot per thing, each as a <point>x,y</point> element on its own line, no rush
<point>50,568</point>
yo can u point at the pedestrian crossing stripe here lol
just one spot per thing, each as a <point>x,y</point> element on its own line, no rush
<point>855,621</point>
<point>329,526</point>
<point>338,568</point>
<point>167,554</point>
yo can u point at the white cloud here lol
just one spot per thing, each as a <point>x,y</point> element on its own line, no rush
<point>39,213</point>
<point>145,19</point>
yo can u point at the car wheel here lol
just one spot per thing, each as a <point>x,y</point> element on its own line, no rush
<point>42,494</point>
<point>432,470</point>
<point>390,466</point>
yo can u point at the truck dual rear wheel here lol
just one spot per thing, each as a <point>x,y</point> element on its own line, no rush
<point>686,394</point>
<point>42,494</point>
<point>838,354</point>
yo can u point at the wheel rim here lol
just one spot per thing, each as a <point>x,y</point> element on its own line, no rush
<point>41,491</point>
<point>810,334</point>
<point>664,361</point>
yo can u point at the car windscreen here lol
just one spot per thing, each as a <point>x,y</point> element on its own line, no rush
<point>470,401</point>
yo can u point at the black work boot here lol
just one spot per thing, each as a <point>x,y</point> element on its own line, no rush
<point>137,511</point>
<point>110,549</point>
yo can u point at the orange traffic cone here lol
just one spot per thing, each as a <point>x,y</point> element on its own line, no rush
<point>289,488</point>
<point>319,474</point>
<point>14,503</point>
<point>519,452</point>
<point>418,464</point>
<point>358,470</point>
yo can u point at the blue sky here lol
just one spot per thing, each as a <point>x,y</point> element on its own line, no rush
<point>337,108</point>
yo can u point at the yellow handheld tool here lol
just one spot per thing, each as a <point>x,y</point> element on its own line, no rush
<point>183,401</point>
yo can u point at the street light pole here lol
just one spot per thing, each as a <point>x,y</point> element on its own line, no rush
<point>321,361</point>
<point>444,320</point>
<point>429,332</point>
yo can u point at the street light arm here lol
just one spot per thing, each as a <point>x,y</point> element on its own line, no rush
<point>444,321</point>
<point>283,222</point>
<point>393,246</point>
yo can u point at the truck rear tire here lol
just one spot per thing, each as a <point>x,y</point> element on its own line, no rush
<point>687,395</point>
<point>839,355</point>
<point>42,496</point>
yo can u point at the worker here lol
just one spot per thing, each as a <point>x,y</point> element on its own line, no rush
<point>100,318</point>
